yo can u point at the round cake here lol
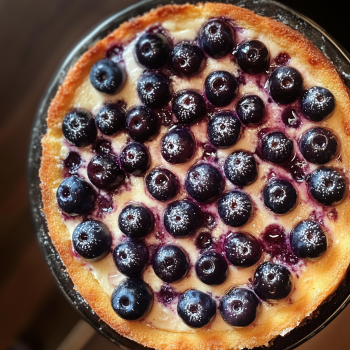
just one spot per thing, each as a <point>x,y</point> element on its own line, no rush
<point>195,178</point>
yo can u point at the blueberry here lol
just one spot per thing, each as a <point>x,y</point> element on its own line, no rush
<point>240,168</point>
<point>110,119</point>
<point>141,123</point>
<point>327,186</point>
<point>238,307</point>
<point>104,172</point>
<point>318,145</point>
<point>132,299</point>
<point>102,146</point>
<point>178,145</point>
<point>152,50</point>
<point>276,147</point>
<point>204,240</point>
<point>286,85</point>
<point>135,159</point>
<point>220,88</point>
<point>107,76</point>
<point>136,221</point>
<point>242,249</point>
<point>291,118</point>
<point>251,110</point>
<point>235,208</point>
<point>162,184</point>
<point>187,59</point>
<point>79,128</point>
<point>317,103</point>
<point>224,129</point>
<point>211,268</point>
<point>170,263</point>
<point>253,57</point>
<point>272,281</point>
<point>182,218</point>
<point>279,196</point>
<point>307,240</point>
<point>188,106</point>
<point>204,182</point>
<point>217,38</point>
<point>72,162</point>
<point>154,90</point>
<point>92,240</point>
<point>75,196</point>
<point>131,258</point>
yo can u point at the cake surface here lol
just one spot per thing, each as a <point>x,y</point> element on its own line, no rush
<point>274,226</point>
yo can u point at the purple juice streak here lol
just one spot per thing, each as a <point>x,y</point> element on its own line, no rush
<point>317,216</point>
<point>104,206</point>
<point>72,163</point>
<point>166,294</point>
<point>333,214</point>
<point>282,59</point>
<point>102,146</point>
<point>291,118</point>
<point>115,53</point>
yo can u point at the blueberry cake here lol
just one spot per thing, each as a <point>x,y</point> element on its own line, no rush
<point>195,178</point>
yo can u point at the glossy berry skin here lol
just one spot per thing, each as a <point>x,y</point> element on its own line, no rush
<point>141,123</point>
<point>238,307</point>
<point>134,158</point>
<point>240,168</point>
<point>286,85</point>
<point>253,57</point>
<point>182,218</point>
<point>75,196</point>
<point>251,110</point>
<point>276,147</point>
<point>187,60</point>
<point>72,162</point>
<point>272,281</point>
<point>217,38</point>
<point>79,128</point>
<point>92,240</point>
<point>242,249</point>
<point>196,308</point>
<point>132,299</point>
<point>170,263</point>
<point>162,184</point>
<point>327,186</point>
<point>204,182</point>
<point>152,50</point>
<point>279,196</point>
<point>235,208</point>
<point>188,106</point>
<point>110,119</point>
<point>211,268</point>
<point>220,88</point>
<point>107,76</point>
<point>307,240</point>
<point>136,221</point>
<point>224,129</point>
<point>131,258</point>
<point>104,172</point>
<point>317,103</point>
<point>318,145</point>
<point>178,145</point>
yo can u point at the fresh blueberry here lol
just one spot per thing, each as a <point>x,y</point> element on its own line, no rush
<point>238,307</point>
<point>235,208</point>
<point>217,38</point>
<point>204,182</point>
<point>135,159</point>
<point>110,119</point>
<point>92,240</point>
<point>317,103</point>
<point>136,221</point>
<point>102,146</point>
<point>327,186</point>
<point>132,299</point>
<point>162,184</point>
<point>170,263</point>
<point>286,85</point>
<point>220,88</point>
<point>211,268</point>
<point>182,218</point>
<point>318,145</point>
<point>272,281</point>
<point>107,76</point>
<point>204,240</point>
<point>79,128</point>
<point>291,118</point>
<point>251,110</point>
<point>72,162</point>
<point>279,196</point>
<point>242,249</point>
<point>75,196</point>
<point>276,147</point>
